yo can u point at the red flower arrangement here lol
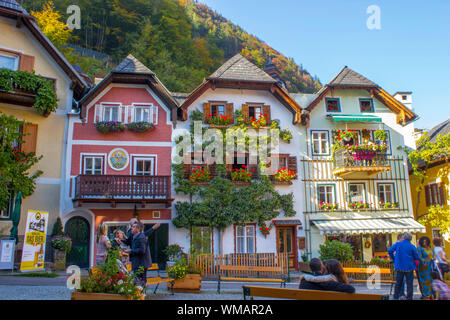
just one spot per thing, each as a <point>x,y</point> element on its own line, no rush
<point>200,174</point>
<point>260,122</point>
<point>284,174</point>
<point>241,174</point>
<point>220,119</point>
<point>265,230</point>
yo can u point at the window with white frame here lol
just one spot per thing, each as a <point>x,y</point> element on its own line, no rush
<point>93,165</point>
<point>9,61</point>
<point>142,114</point>
<point>386,193</point>
<point>320,142</point>
<point>326,194</point>
<point>144,167</point>
<point>111,113</point>
<point>356,192</point>
<point>245,239</point>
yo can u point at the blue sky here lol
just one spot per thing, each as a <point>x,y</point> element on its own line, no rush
<point>411,51</point>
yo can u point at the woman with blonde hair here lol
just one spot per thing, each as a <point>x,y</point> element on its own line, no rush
<point>103,244</point>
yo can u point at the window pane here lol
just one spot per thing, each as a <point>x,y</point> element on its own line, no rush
<point>240,231</point>
<point>289,240</point>
<point>7,62</point>
<point>250,245</point>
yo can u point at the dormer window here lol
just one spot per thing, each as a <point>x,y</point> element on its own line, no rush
<point>333,104</point>
<point>366,105</point>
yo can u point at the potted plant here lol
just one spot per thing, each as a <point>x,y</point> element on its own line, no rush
<point>141,126</point>
<point>358,205</point>
<point>284,176</point>
<point>187,277</point>
<point>265,230</point>
<point>200,175</point>
<point>380,135</point>
<point>109,126</point>
<point>61,246</point>
<point>388,205</point>
<point>220,121</point>
<point>173,253</point>
<point>325,206</point>
<point>241,175</point>
<point>108,282</point>
<point>260,122</point>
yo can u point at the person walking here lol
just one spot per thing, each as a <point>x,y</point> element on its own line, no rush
<point>140,252</point>
<point>404,265</point>
<point>426,262</point>
<point>441,258</point>
<point>103,244</point>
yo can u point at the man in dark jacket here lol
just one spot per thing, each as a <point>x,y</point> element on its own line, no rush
<point>140,252</point>
<point>128,239</point>
<point>318,269</point>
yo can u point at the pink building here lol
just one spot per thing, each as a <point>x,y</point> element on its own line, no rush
<point>119,159</point>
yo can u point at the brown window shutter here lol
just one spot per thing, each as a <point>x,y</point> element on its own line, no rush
<point>229,111</point>
<point>245,112</point>
<point>266,111</point>
<point>427,196</point>
<point>212,169</point>
<point>206,112</point>
<point>30,132</point>
<point>26,63</point>
<point>292,165</point>
<point>441,193</point>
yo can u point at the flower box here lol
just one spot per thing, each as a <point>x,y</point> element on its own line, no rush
<point>219,126</point>
<point>77,295</point>
<point>140,127</point>
<point>191,283</point>
<point>109,126</point>
<point>278,182</point>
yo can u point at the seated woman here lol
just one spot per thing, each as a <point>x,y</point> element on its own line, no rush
<point>335,273</point>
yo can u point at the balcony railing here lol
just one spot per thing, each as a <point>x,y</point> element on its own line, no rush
<point>122,188</point>
<point>359,164</point>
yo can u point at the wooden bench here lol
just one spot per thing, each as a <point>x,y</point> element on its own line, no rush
<point>155,280</point>
<point>240,271</point>
<point>369,272</point>
<point>300,294</point>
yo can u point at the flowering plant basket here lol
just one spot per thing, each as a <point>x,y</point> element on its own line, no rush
<point>359,205</point>
<point>265,230</point>
<point>241,175</point>
<point>325,206</point>
<point>220,120</point>
<point>388,205</point>
<point>108,278</point>
<point>109,126</point>
<point>284,175</point>
<point>200,174</point>
<point>140,127</point>
<point>260,122</point>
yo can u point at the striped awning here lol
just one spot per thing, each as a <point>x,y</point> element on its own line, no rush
<point>354,118</point>
<point>358,226</point>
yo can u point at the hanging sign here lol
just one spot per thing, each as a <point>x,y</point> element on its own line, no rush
<point>33,252</point>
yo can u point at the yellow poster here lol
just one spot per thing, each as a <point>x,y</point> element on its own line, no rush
<point>33,252</point>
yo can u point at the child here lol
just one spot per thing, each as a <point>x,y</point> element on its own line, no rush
<point>440,289</point>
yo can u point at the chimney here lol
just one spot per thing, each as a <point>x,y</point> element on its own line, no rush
<point>405,97</point>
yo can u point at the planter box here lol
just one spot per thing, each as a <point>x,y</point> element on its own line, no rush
<point>219,126</point>
<point>76,295</point>
<point>240,183</point>
<point>277,182</point>
<point>191,283</point>
<point>59,259</point>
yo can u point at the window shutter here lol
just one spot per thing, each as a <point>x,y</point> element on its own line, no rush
<point>266,111</point>
<point>229,111</point>
<point>292,165</point>
<point>26,63</point>
<point>30,138</point>
<point>441,192</point>
<point>206,112</point>
<point>245,112</point>
<point>212,169</point>
<point>427,196</point>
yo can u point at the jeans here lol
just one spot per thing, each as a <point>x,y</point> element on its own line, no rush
<point>400,282</point>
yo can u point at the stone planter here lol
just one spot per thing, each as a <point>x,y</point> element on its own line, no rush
<point>191,283</point>
<point>76,295</point>
<point>59,257</point>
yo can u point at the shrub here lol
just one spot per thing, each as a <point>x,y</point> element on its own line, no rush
<point>62,243</point>
<point>338,250</point>
<point>173,251</point>
<point>57,228</point>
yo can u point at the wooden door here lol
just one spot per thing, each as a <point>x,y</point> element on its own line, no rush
<point>286,243</point>
<point>77,228</point>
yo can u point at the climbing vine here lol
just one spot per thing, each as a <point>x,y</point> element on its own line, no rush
<point>46,100</point>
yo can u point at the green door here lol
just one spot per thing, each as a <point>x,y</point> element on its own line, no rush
<point>77,229</point>
<point>158,241</point>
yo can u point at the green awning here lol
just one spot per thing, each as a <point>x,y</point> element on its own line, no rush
<point>354,118</point>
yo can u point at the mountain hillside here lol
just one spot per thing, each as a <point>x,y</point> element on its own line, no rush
<point>182,41</point>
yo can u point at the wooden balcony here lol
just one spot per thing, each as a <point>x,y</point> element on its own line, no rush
<point>122,189</point>
<point>21,96</point>
<point>359,165</point>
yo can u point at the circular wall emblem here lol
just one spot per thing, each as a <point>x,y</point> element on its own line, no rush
<point>118,159</point>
